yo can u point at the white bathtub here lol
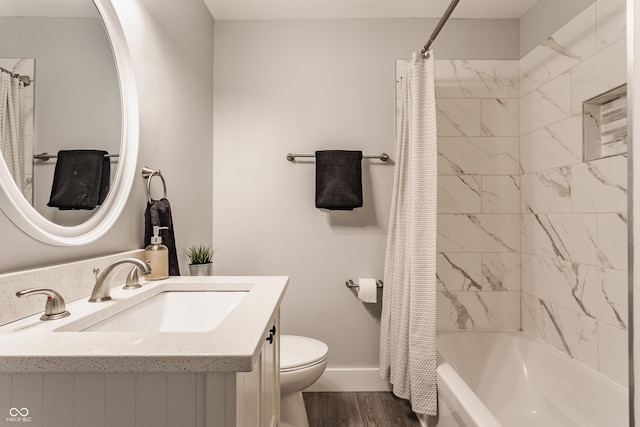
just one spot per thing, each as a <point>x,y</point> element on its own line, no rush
<point>507,379</point>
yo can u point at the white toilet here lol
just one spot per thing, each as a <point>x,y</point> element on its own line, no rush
<point>302,361</point>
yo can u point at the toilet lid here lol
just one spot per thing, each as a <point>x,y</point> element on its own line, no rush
<point>297,352</point>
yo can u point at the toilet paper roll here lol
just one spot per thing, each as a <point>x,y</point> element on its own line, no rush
<point>368,290</point>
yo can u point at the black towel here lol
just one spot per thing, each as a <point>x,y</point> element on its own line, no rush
<point>80,180</point>
<point>338,179</point>
<point>158,213</point>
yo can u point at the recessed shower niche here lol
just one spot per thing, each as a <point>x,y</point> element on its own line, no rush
<point>604,124</point>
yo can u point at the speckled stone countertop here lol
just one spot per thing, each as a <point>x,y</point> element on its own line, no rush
<point>32,345</point>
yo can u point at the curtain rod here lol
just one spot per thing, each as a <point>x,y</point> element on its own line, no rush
<point>25,79</point>
<point>443,21</point>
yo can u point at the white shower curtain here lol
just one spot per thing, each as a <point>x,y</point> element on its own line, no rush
<point>408,324</point>
<point>12,117</point>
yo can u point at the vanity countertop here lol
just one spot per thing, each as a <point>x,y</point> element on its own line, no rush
<point>32,345</point>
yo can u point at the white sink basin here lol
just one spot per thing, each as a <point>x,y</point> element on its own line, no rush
<point>173,311</point>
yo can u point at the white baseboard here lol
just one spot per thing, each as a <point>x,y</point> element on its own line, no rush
<point>350,379</point>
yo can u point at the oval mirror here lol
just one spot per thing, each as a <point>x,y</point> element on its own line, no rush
<point>77,110</point>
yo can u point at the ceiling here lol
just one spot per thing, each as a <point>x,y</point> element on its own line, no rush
<point>297,9</point>
<point>55,8</point>
<point>340,9</point>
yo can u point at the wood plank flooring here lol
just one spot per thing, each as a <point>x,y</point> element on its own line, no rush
<point>347,409</point>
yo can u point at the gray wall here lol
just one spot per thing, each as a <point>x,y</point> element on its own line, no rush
<point>172,49</point>
<point>299,86</point>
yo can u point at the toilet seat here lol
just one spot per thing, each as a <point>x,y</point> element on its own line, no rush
<point>300,352</point>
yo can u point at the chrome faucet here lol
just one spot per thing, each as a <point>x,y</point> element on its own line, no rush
<point>101,289</point>
<point>55,307</point>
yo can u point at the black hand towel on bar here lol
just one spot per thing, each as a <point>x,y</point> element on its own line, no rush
<point>80,180</point>
<point>158,213</point>
<point>338,179</point>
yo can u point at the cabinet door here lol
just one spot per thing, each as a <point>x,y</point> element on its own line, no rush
<point>248,396</point>
<point>270,377</point>
<point>258,391</point>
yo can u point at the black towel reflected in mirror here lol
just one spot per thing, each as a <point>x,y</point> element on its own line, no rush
<point>80,180</point>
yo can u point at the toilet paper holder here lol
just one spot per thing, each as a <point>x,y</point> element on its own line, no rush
<point>350,284</point>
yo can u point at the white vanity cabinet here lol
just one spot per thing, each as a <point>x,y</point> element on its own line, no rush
<point>233,399</point>
<point>258,391</point>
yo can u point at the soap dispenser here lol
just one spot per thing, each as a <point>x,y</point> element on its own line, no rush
<point>157,256</point>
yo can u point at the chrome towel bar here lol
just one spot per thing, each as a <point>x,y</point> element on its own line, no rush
<point>46,156</point>
<point>350,284</point>
<point>291,157</point>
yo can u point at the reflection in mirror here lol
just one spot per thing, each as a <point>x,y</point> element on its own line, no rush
<point>98,92</point>
<point>76,92</point>
<point>16,131</point>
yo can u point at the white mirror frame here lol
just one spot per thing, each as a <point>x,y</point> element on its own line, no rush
<point>25,217</point>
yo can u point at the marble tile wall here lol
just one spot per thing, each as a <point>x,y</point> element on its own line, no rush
<point>574,213</point>
<point>530,236</point>
<point>478,263</point>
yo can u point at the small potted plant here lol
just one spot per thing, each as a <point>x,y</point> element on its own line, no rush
<point>200,260</point>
